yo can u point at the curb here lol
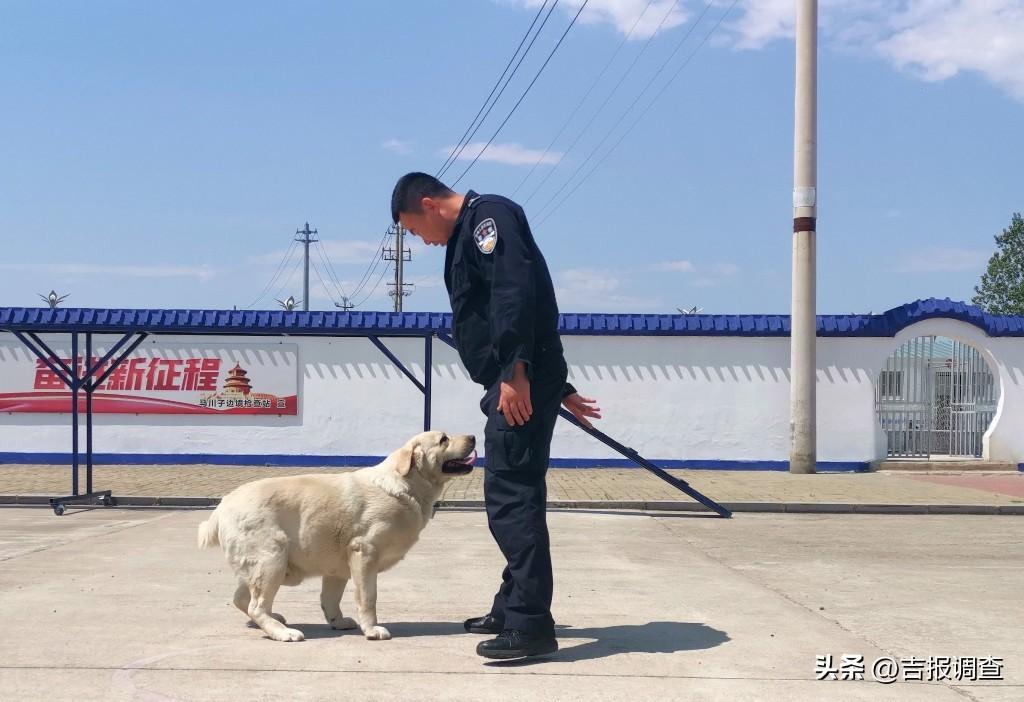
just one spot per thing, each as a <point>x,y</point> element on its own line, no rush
<point>647,506</point>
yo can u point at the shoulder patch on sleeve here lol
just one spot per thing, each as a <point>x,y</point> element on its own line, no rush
<point>485,236</point>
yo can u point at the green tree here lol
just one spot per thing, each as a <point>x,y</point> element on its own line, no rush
<point>1002,286</point>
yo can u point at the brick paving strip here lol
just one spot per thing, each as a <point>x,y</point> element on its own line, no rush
<point>625,488</point>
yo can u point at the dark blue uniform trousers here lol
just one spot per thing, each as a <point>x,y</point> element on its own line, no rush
<point>515,494</point>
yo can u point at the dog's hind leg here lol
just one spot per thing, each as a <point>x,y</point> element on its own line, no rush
<point>364,577</point>
<point>263,586</point>
<point>330,603</point>
<point>243,597</point>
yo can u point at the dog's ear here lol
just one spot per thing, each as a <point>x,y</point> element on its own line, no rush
<point>407,457</point>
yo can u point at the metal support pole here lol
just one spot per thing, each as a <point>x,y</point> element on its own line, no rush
<point>803,329</point>
<point>394,359</point>
<point>59,361</point>
<point>120,359</point>
<point>428,366</point>
<point>88,412</point>
<point>46,358</point>
<point>631,454</point>
<point>74,414</point>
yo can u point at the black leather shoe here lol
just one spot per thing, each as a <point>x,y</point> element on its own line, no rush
<point>484,625</point>
<point>513,643</point>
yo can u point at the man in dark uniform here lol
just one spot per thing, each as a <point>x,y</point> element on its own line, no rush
<point>505,325</point>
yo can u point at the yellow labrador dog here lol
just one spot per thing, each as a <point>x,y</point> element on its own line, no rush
<point>279,531</point>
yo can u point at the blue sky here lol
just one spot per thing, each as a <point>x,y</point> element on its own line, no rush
<point>163,154</point>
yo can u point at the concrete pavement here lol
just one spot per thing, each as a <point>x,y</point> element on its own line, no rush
<point>111,604</point>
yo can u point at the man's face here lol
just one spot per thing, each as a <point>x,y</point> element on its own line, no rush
<point>427,224</point>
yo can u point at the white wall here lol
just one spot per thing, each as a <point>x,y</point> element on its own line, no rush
<point>672,398</point>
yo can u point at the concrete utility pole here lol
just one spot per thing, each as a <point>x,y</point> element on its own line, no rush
<point>803,329</point>
<point>399,254</point>
<point>307,238</point>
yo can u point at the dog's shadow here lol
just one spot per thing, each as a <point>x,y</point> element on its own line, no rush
<point>652,637</point>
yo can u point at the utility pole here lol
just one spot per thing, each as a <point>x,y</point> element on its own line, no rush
<point>307,238</point>
<point>399,289</point>
<point>803,323</point>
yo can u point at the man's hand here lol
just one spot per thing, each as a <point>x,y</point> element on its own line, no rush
<point>514,402</point>
<point>581,408</point>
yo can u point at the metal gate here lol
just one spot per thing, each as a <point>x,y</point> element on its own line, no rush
<point>935,397</point>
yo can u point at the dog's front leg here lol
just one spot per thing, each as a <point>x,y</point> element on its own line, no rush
<point>330,603</point>
<point>364,577</point>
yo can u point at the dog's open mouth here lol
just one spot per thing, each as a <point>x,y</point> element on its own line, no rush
<point>459,466</point>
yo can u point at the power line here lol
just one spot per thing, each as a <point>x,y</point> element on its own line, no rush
<point>629,109</point>
<point>500,92</point>
<point>277,272</point>
<point>523,96</point>
<point>329,267</point>
<point>585,96</point>
<point>375,286</point>
<point>607,99</point>
<point>372,270</point>
<point>522,41</point>
<point>298,265</point>
<point>645,111</point>
<point>344,304</point>
<point>373,263</point>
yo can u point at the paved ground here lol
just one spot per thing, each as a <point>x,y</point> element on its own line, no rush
<point>571,485</point>
<point>119,605</point>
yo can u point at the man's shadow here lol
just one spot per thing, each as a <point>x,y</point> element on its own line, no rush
<point>652,637</point>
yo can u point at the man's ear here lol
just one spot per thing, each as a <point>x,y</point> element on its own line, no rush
<point>428,204</point>
<point>407,457</point>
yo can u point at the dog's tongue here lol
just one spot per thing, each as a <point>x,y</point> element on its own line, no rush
<point>468,460</point>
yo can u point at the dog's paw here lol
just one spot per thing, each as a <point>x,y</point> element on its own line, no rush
<point>343,623</point>
<point>253,625</point>
<point>378,633</point>
<point>288,635</point>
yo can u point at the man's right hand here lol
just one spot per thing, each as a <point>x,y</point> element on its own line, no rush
<point>514,402</point>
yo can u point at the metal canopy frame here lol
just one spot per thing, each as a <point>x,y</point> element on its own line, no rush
<point>77,381</point>
<point>87,381</point>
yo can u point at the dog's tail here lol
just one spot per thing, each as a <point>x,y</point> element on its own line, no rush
<point>208,532</point>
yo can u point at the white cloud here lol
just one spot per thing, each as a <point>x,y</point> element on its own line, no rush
<point>510,153</point>
<point>937,39</point>
<point>705,282</point>
<point>595,290</point>
<point>943,260</point>
<point>202,272</point>
<point>588,280</point>
<point>397,146</point>
<point>932,39</point>
<point>709,274</point>
<point>624,14</point>
<point>675,266</point>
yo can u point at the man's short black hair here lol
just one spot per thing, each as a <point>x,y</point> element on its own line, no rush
<point>411,189</point>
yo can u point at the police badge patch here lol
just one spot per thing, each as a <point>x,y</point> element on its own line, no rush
<point>486,235</point>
